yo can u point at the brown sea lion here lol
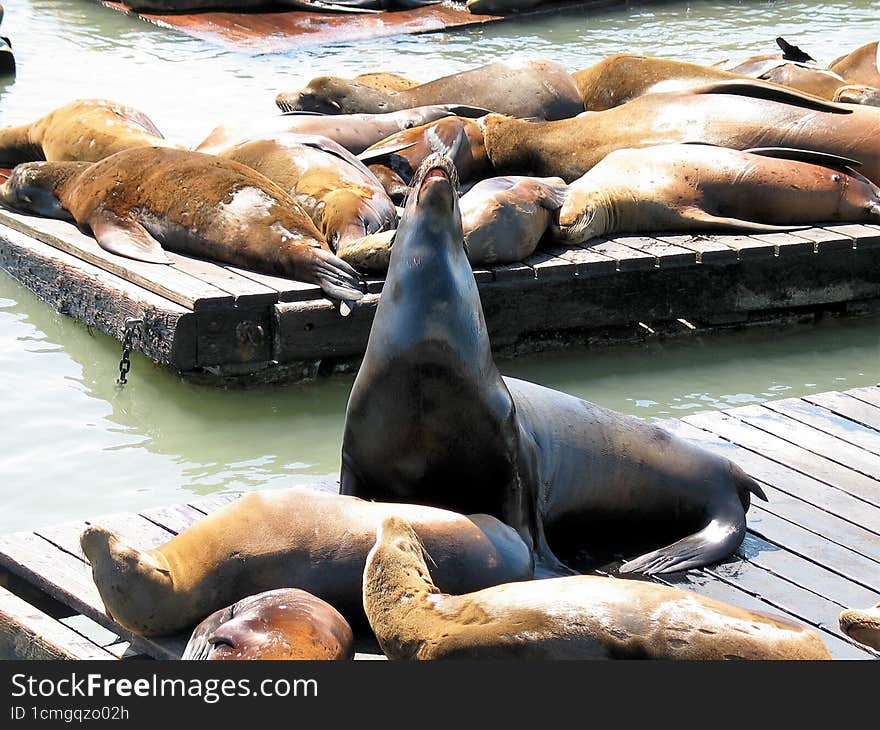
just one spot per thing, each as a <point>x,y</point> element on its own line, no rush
<point>140,200</point>
<point>343,198</point>
<point>579,617</point>
<point>355,132</point>
<point>862,625</point>
<point>739,115</point>
<point>862,66</point>
<point>286,623</point>
<point>395,160</point>
<point>686,187</point>
<point>86,130</point>
<point>456,434</point>
<point>529,88</point>
<point>296,538</point>
<point>385,81</point>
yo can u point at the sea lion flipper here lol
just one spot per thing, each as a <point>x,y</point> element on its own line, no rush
<point>711,221</point>
<point>791,52</point>
<point>370,253</point>
<point>337,278</point>
<point>125,237</point>
<point>463,110</point>
<point>763,90</point>
<point>378,152</point>
<point>817,158</point>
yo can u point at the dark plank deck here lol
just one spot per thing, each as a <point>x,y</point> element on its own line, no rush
<point>810,552</point>
<point>224,323</point>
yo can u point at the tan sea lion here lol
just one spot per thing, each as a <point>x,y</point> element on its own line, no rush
<point>286,623</point>
<point>862,625</point>
<point>579,617</point>
<point>529,88</point>
<point>140,200</point>
<point>385,81</point>
<point>862,66</point>
<point>355,132</point>
<point>740,115</point>
<point>297,538</point>
<point>86,130</point>
<point>395,159</point>
<point>686,187</point>
<point>343,198</point>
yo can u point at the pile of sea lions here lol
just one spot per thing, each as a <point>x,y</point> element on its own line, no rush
<point>486,164</point>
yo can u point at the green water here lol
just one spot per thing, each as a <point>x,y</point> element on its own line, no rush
<point>74,446</point>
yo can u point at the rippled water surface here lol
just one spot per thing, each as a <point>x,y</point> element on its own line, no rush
<point>74,446</point>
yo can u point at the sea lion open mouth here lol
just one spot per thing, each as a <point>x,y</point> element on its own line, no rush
<point>437,174</point>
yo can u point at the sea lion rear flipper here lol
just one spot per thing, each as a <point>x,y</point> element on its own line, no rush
<point>817,158</point>
<point>125,237</point>
<point>463,110</point>
<point>711,221</point>
<point>762,90</point>
<point>375,153</point>
<point>791,52</point>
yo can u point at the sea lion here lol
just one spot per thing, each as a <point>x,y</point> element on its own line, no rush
<point>7,59</point>
<point>862,625</point>
<point>395,159</point>
<point>686,187</point>
<point>140,200</point>
<point>355,132</point>
<point>457,434</point>
<point>530,88</point>
<point>343,198</point>
<point>297,538</point>
<point>385,81</point>
<point>501,7</point>
<point>862,66</point>
<point>503,218</point>
<point>740,115</point>
<point>286,623</point>
<point>578,617</point>
<point>86,130</point>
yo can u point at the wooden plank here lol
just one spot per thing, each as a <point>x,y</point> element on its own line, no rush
<point>706,249</point>
<point>825,241</point>
<point>786,453</point>
<point>28,633</point>
<point>551,268</point>
<point>245,291</point>
<point>666,254</point>
<point>746,247</point>
<point>869,394</point>
<point>828,422</point>
<point>865,237</point>
<point>287,290</point>
<point>587,262</point>
<point>626,258</point>
<point>810,438</point>
<point>513,272</point>
<point>166,281</point>
<point>851,408</point>
<point>209,504</point>
<point>175,518</point>
<point>759,455</point>
<point>786,244</point>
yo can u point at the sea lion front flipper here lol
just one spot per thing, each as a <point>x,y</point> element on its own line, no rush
<point>463,110</point>
<point>125,237</point>
<point>337,278</point>
<point>375,153</point>
<point>762,90</point>
<point>711,221</point>
<point>791,52</point>
<point>817,158</point>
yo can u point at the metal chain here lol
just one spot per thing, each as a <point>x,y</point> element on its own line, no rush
<point>131,323</point>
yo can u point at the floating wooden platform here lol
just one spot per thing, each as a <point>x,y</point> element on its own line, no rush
<point>285,30</point>
<point>229,325</point>
<point>810,552</point>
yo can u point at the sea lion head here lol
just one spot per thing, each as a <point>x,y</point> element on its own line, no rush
<point>333,95</point>
<point>398,561</point>
<point>34,187</point>
<point>858,94</point>
<point>862,625</point>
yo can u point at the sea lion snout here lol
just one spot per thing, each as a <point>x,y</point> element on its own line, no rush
<point>436,183</point>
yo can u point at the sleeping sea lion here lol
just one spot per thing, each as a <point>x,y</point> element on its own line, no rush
<point>579,617</point>
<point>286,623</point>
<point>456,434</point>
<point>140,200</point>
<point>289,538</point>
<point>862,66</point>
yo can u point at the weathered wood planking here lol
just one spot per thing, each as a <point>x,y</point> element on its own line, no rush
<point>284,30</point>
<point>810,551</point>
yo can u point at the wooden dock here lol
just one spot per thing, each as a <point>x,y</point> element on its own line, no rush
<point>810,552</point>
<point>228,325</point>
<point>285,30</point>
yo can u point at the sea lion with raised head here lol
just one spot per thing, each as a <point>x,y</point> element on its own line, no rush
<point>286,623</point>
<point>355,132</point>
<point>578,617</point>
<point>862,66</point>
<point>142,200</point>
<point>456,434</point>
<point>531,88</point>
<point>86,130</point>
<point>740,115</point>
<point>862,625</point>
<point>692,187</point>
<point>293,538</point>
<point>343,198</point>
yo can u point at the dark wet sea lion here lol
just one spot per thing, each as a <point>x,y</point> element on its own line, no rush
<point>457,434</point>
<point>503,218</point>
<point>182,6</point>
<point>862,625</point>
<point>579,617</point>
<point>296,538</point>
<point>7,59</point>
<point>529,88</point>
<point>501,7</point>
<point>140,200</point>
<point>286,623</point>
<point>86,130</point>
<point>862,66</point>
<point>355,132</point>
<point>700,187</point>
<point>395,159</point>
<point>718,114</point>
<point>344,199</point>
